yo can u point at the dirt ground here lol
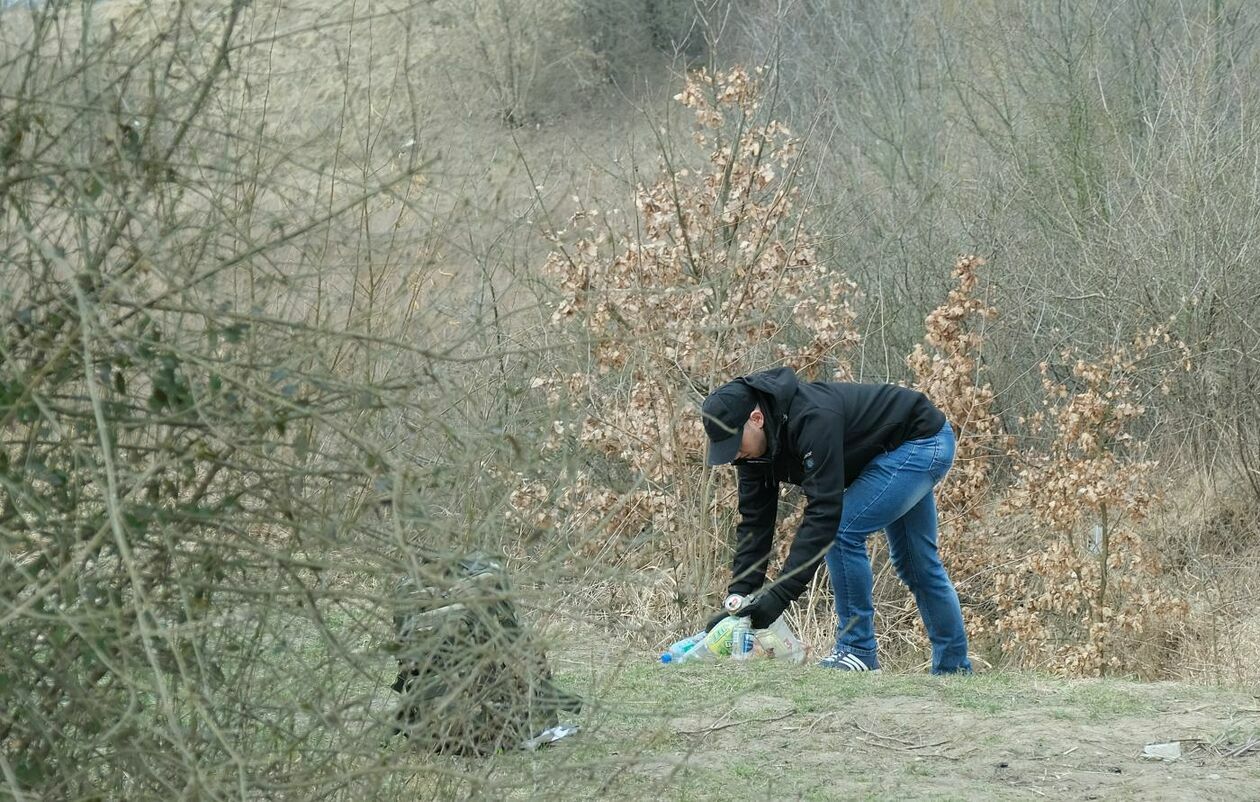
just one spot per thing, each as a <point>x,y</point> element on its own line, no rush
<point>912,747</point>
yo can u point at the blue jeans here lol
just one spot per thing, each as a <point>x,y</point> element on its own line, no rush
<point>894,493</point>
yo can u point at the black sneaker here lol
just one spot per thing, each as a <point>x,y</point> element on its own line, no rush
<point>848,661</point>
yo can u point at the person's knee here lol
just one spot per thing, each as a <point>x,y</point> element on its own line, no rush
<point>921,578</point>
<point>910,578</point>
<point>851,539</point>
<point>921,581</point>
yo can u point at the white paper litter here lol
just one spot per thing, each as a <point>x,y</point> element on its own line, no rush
<point>1165,751</point>
<point>550,735</point>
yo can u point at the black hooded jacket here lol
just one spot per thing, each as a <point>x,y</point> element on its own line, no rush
<point>820,435</point>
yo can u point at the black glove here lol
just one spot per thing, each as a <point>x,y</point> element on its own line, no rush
<point>715,620</point>
<point>765,607</point>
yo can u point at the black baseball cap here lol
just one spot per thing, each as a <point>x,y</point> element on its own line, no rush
<point>725,412</point>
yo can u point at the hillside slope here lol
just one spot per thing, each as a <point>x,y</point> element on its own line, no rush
<point>774,731</point>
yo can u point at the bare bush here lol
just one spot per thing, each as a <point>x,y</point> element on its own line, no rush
<point>1110,132</point>
<point>212,342</point>
<point>536,60</point>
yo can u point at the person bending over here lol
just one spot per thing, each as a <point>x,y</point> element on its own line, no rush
<point>866,457</point>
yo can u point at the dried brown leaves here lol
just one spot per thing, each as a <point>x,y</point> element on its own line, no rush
<point>1088,601</point>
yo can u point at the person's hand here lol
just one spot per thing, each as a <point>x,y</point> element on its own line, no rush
<point>715,620</point>
<point>764,608</point>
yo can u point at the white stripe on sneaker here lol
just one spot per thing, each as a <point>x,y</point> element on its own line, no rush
<point>854,663</point>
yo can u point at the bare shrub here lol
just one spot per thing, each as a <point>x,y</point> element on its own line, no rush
<point>528,56</point>
<point>633,38</point>
<point>212,343</point>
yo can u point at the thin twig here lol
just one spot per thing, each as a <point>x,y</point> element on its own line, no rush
<point>809,728</point>
<point>717,727</point>
<point>1188,710</point>
<point>909,744</point>
<point>1244,749</point>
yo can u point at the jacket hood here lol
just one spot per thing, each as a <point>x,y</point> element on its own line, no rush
<point>779,384</point>
<point>775,387</point>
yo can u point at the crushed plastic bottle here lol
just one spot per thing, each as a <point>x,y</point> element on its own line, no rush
<point>712,645</point>
<point>777,641</point>
<point>678,650</point>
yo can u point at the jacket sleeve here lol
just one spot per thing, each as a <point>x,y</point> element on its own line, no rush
<point>758,510</point>
<point>820,442</point>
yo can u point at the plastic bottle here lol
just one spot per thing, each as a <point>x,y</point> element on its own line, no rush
<point>741,639</point>
<point>717,643</point>
<point>778,641</point>
<point>677,651</point>
<point>707,646</point>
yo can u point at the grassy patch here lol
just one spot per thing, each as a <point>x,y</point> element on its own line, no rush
<point>765,730</point>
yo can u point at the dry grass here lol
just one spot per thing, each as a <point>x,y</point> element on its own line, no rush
<point>1208,530</point>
